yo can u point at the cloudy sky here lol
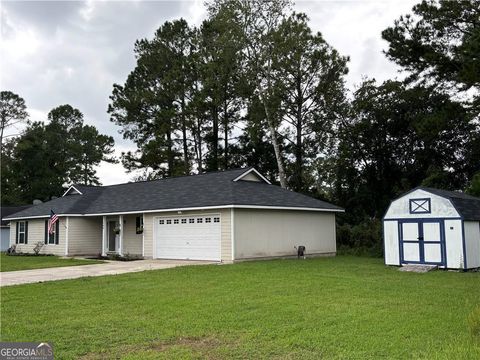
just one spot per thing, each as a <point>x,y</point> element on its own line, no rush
<point>60,52</point>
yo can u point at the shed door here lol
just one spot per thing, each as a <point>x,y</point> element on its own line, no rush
<point>188,237</point>
<point>422,242</point>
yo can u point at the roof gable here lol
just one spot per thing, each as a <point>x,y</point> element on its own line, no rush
<point>72,190</point>
<point>252,175</point>
<point>467,206</point>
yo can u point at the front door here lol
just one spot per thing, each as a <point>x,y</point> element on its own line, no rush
<point>422,242</point>
<point>112,236</point>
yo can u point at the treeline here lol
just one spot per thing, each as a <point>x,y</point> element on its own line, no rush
<point>47,156</point>
<point>253,85</point>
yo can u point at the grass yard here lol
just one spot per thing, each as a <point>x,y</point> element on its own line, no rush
<point>330,308</point>
<point>14,263</point>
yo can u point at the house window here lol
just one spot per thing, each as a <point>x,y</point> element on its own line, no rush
<point>22,232</point>
<point>191,221</point>
<point>420,206</point>
<point>175,221</point>
<point>52,239</point>
<point>199,220</point>
<point>139,225</point>
<point>216,219</point>
<point>184,221</point>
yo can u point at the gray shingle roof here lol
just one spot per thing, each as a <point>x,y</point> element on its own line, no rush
<point>468,206</point>
<point>209,189</point>
<point>7,210</point>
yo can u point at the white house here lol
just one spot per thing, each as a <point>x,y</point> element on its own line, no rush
<point>222,216</point>
<point>431,226</point>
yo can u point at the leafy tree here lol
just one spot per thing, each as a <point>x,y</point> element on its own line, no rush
<point>46,157</point>
<point>439,44</point>
<point>12,111</point>
<point>311,83</point>
<point>91,148</point>
<point>152,106</point>
<point>474,186</point>
<point>78,148</point>
<point>38,172</point>
<point>259,19</point>
<point>8,179</point>
<point>399,138</point>
<point>220,56</point>
<point>254,147</point>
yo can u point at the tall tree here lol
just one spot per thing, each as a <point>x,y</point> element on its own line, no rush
<point>12,111</point>
<point>8,178</point>
<point>310,75</point>
<point>220,55</point>
<point>46,157</point>
<point>259,19</point>
<point>39,173</point>
<point>152,106</point>
<point>440,44</point>
<point>399,138</point>
<point>90,148</point>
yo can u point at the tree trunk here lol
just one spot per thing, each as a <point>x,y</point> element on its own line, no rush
<point>200,155</point>
<point>215,137</point>
<point>185,144</point>
<point>225,141</point>
<point>299,145</point>
<point>170,157</point>
<point>276,145</point>
<point>1,136</point>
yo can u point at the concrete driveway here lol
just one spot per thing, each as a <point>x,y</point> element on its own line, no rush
<point>73,272</point>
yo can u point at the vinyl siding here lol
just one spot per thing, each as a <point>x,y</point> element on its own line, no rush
<point>270,233</point>
<point>251,177</point>
<point>472,243</point>
<point>390,234</point>
<point>226,243</point>
<point>454,244</point>
<point>132,242</point>
<point>36,233</point>
<point>84,236</point>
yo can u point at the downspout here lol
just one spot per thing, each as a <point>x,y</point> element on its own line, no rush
<point>66,236</point>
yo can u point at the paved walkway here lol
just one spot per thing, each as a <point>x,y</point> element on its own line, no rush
<point>73,272</point>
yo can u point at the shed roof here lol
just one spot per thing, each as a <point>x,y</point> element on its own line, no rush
<point>468,206</point>
<point>221,188</point>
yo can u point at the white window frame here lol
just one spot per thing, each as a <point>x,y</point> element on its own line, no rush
<point>20,232</point>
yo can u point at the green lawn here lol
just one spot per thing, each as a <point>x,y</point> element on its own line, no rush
<point>331,308</point>
<point>14,263</point>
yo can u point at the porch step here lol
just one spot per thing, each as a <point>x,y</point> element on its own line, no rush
<point>418,268</point>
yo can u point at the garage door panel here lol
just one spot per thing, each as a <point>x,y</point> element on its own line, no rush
<point>188,237</point>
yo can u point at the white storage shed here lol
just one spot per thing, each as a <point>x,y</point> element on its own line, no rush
<point>433,227</point>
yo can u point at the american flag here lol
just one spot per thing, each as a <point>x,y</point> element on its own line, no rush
<point>51,222</point>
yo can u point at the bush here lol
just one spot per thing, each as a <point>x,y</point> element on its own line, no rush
<point>474,323</point>
<point>364,238</point>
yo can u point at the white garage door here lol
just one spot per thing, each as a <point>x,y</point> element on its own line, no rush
<point>188,237</point>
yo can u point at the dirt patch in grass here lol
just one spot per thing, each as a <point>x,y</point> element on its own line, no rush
<point>195,347</point>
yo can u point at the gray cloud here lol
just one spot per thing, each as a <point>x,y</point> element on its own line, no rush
<point>54,53</point>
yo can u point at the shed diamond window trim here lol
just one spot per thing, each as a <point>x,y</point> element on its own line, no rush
<point>420,206</point>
